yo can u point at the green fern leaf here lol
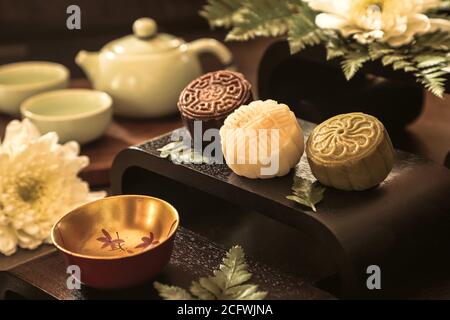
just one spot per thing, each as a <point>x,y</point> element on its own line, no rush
<point>435,86</point>
<point>335,48</point>
<point>221,13</point>
<point>432,70</point>
<point>439,40</point>
<point>246,292</point>
<point>333,53</point>
<point>401,65</point>
<point>268,18</point>
<point>426,60</point>
<point>436,75</point>
<point>410,69</point>
<point>433,82</point>
<point>303,31</point>
<point>377,50</point>
<point>352,62</point>
<point>229,282</point>
<point>206,289</point>
<point>312,38</point>
<point>172,292</point>
<point>390,59</point>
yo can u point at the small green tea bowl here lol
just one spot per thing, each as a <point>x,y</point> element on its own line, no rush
<point>19,81</point>
<point>82,115</point>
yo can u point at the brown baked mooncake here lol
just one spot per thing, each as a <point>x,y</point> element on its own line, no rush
<point>212,97</point>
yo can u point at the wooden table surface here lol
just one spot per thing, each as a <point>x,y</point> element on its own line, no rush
<point>193,257</point>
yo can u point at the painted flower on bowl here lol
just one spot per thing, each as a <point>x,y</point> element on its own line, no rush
<point>39,184</point>
<point>393,21</point>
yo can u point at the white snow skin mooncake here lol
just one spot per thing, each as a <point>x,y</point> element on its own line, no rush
<point>262,140</point>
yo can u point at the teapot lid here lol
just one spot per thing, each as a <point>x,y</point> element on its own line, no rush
<point>144,40</point>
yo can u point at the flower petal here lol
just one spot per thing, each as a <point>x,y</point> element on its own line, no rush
<point>8,241</point>
<point>330,21</point>
<point>417,23</point>
<point>71,148</point>
<point>439,24</point>
<point>368,37</point>
<point>92,196</point>
<point>18,134</point>
<point>27,241</point>
<point>340,7</point>
<point>428,4</point>
<point>395,26</point>
<point>51,170</point>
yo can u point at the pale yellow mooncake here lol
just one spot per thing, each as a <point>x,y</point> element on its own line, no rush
<point>262,140</point>
<point>350,151</point>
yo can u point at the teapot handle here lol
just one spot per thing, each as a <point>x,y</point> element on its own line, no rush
<point>215,47</point>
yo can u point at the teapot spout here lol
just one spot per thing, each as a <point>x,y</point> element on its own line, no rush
<point>88,61</point>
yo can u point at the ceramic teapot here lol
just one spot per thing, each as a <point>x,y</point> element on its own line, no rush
<point>145,72</point>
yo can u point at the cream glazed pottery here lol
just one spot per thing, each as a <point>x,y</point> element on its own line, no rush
<point>74,114</point>
<point>21,80</point>
<point>146,71</point>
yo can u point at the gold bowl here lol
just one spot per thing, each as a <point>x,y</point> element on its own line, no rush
<point>118,241</point>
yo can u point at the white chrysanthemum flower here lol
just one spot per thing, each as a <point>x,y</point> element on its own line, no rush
<point>38,184</point>
<point>392,21</point>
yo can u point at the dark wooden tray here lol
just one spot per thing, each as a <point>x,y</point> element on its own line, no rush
<point>193,257</point>
<point>400,225</point>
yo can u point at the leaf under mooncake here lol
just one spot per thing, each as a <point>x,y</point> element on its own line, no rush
<point>306,192</point>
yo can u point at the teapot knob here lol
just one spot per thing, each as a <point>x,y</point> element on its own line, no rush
<point>144,28</point>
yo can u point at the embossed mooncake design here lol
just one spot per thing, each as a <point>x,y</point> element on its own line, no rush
<point>350,151</point>
<point>251,130</point>
<point>212,97</point>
